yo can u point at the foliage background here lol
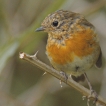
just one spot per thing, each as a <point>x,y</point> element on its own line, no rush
<point>22,84</point>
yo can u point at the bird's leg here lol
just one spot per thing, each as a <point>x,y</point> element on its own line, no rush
<point>91,89</point>
<point>64,74</point>
<point>65,77</point>
<point>89,84</point>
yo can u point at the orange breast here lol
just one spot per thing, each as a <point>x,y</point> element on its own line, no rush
<point>82,44</point>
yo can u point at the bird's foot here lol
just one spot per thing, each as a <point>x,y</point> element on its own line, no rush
<point>65,77</point>
<point>93,92</point>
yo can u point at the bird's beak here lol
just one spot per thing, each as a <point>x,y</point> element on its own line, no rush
<point>40,29</point>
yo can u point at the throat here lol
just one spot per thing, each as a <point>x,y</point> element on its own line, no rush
<point>57,40</point>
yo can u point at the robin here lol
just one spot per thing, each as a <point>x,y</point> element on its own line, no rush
<point>72,45</point>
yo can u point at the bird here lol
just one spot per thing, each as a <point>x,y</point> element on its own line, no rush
<point>72,45</point>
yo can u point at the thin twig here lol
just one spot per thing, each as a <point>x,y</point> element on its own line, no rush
<point>33,60</point>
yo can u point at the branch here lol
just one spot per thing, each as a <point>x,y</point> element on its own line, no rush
<point>33,60</point>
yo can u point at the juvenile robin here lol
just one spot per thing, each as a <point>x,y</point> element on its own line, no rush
<point>72,45</point>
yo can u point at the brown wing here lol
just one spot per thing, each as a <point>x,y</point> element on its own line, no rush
<point>99,61</point>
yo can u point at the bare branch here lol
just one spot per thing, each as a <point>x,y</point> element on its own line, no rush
<point>33,60</point>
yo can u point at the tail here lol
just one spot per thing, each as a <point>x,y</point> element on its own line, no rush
<point>78,78</point>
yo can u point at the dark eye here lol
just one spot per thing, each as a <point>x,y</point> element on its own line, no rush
<point>55,23</point>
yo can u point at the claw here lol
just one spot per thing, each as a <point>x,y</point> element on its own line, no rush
<point>88,100</point>
<point>61,84</point>
<point>65,75</point>
<point>91,89</point>
<point>83,97</point>
<point>96,96</point>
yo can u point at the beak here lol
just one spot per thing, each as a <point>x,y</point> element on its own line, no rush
<point>40,29</point>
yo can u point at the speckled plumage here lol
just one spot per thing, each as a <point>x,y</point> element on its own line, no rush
<point>72,45</point>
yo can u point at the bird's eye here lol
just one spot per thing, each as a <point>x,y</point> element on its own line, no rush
<point>55,23</point>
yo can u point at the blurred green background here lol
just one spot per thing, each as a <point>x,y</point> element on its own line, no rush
<point>22,84</point>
